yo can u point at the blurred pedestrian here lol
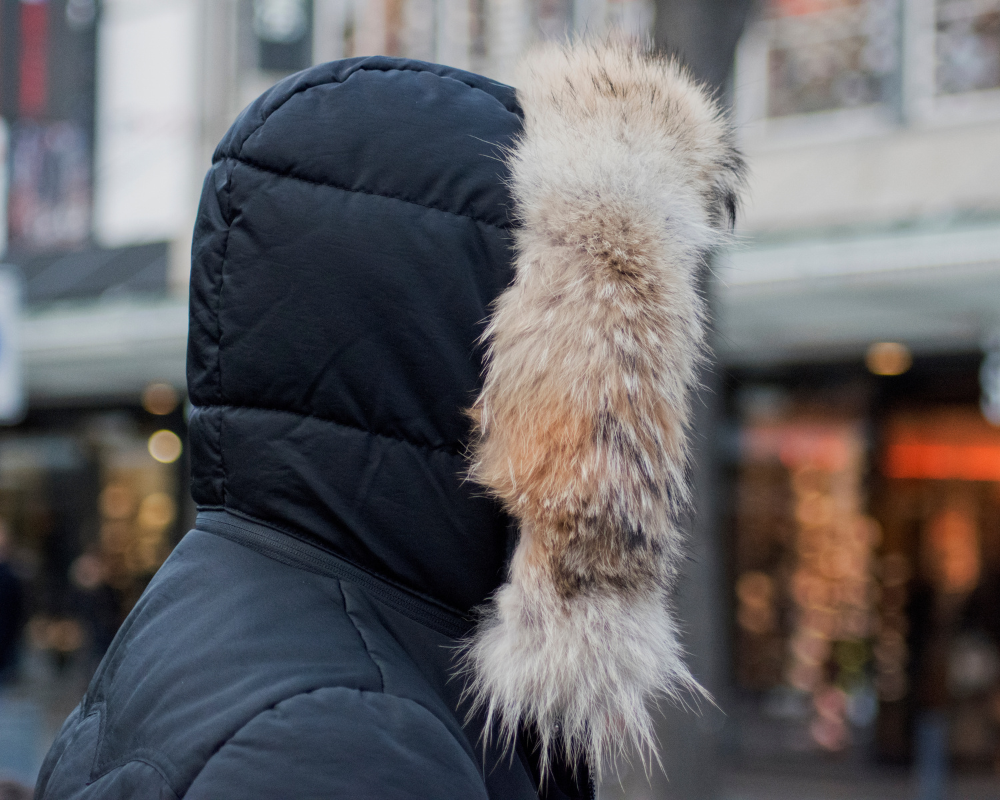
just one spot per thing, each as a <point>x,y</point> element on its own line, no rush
<point>11,610</point>
<point>313,636</point>
<point>11,790</point>
<point>96,601</point>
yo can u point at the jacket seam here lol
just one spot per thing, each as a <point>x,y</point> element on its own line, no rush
<point>449,449</point>
<point>218,320</point>
<point>425,610</point>
<point>138,758</point>
<point>241,159</point>
<point>364,641</point>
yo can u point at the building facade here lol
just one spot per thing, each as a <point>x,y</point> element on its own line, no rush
<point>858,326</point>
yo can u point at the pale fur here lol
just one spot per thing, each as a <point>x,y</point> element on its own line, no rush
<point>622,182</point>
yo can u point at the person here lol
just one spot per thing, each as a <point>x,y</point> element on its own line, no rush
<point>11,611</point>
<point>442,339</point>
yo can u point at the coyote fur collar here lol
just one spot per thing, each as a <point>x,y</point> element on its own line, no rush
<point>624,180</point>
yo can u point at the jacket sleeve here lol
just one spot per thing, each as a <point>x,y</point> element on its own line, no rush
<point>341,743</point>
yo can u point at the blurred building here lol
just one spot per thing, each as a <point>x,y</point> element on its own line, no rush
<point>859,328</point>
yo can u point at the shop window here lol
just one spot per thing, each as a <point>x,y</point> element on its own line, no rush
<point>90,507</point>
<point>807,56</point>
<point>967,44</point>
<point>828,54</point>
<point>836,68</point>
<point>804,589</point>
<point>867,581</point>
<point>938,641</point>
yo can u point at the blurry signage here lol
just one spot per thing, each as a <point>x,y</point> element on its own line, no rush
<point>951,444</point>
<point>34,70</point>
<point>49,202</point>
<point>47,76</point>
<point>11,383</point>
<point>942,461</point>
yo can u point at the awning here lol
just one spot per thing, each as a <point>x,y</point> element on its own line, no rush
<point>103,350</point>
<point>829,296</point>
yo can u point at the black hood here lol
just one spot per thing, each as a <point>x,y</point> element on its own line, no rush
<point>354,229</point>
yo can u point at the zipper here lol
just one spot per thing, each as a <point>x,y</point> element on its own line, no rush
<point>288,548</point>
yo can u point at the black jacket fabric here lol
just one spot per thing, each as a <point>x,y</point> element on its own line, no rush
<point>301,641</point>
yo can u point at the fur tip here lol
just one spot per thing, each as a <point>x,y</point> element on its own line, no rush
<point>593,666</point>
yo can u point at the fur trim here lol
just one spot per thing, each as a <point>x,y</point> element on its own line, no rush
<point>623,181</point>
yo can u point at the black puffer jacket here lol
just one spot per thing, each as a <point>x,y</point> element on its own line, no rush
<point>353,231</point>
<point>358,223</point>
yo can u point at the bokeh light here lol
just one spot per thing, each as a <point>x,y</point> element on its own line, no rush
<point>165,446</point>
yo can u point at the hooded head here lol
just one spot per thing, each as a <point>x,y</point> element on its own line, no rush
<point>353,231</point>
<point>386,245</point>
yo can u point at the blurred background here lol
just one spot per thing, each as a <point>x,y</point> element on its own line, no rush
<point>843,601</point>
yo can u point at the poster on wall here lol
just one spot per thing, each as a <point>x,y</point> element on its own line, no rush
<point>49,196</point>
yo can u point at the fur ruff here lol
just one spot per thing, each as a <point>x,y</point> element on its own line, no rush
<point>623,181</point>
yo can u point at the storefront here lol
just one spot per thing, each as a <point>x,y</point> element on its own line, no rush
<point>92,500</point>
<point>865,562</point>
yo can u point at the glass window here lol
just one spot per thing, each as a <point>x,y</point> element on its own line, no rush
<point>967,45</point>
<point>804,576</point>
<point>830,54</point>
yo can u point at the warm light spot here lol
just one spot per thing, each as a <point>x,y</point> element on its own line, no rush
<point>888,358</point>
<point>165,446</point>
<point>756,593</point>
<point>117,501</point>
<point>156,511</point>
<point>951,550</point>
<point>160,398</point>
<point>941,461</point>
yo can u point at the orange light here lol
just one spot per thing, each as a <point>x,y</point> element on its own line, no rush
<point>160,398</point>
<point>888,358</point>
<point>937,461</point>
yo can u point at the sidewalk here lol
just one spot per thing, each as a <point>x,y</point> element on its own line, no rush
<point>32,711</point>
<point>762,786</point>
<point>21,738</point>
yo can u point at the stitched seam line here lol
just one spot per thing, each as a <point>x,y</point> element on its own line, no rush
<point>218,322</point>
<point>364,641</point>
<point>250,532</point>
<point>241,159</point>
<point>452,450</point>
<point>139,758</point>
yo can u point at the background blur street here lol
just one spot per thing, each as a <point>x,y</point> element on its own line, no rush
<point>843,599</point>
